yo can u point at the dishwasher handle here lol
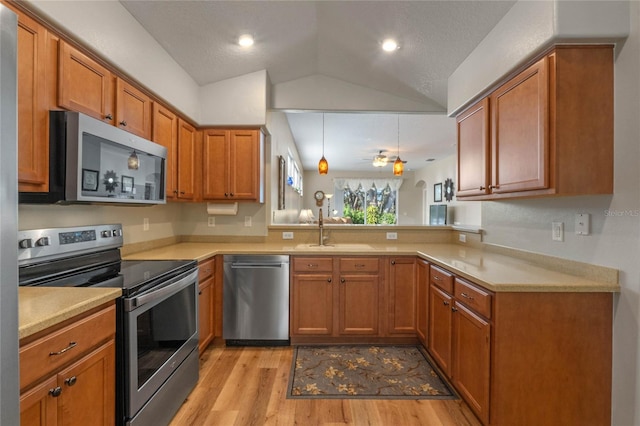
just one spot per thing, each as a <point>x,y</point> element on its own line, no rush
<point>256,265</point>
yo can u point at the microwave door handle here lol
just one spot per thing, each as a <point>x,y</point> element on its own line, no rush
<point>161,291</point>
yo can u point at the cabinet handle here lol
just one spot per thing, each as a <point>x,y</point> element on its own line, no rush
<point>71,381</point>
<point>359,265</point>
<point>200,293</point>
<point>454,309</point>
<point>328,280</point>
<point>181,192</point>
<point>445,303</point>
<point>231,195</point>
<point>393,262</point>
<point>436,278</point>
<point>123,123</point>
<point>55,392</point>
<point>60,352</point>
<point>482,188</point>
<point>494,186</point>
<point>312,265</point>
<point>226,194</point>
<point>108,117</point>
<point>342,280</point>
<point>466,296</point>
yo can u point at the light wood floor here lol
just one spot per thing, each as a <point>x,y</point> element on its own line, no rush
<point>248,386</point>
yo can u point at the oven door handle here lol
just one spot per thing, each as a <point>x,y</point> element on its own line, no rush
<point>162,291</point>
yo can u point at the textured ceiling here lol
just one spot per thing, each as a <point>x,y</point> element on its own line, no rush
<point>338,39</point>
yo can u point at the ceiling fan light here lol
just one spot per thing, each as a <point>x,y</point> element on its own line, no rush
<point>398,167</point>
<point>323,166</point>
<point>379,161</point>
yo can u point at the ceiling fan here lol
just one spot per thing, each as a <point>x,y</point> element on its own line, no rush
<point>381,160</point>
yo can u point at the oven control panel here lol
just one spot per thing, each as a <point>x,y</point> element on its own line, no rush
<point>35,245</point>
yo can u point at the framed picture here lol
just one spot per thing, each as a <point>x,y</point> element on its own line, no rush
<point>282,173</point>
<point>437,192</point>
<point>89,180</point>
<point>127,184</point>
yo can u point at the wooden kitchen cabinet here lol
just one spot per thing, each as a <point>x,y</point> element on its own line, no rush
<point>133,109</point>
<point>67,373</point>
<point>165,133</point>
<point>189,165</point>
<point>550,130</point>
<point>335,296</point>
<point>85,85</point>
<point>402,295</point>
<point>422,302</point>
<point>206,303</point>
<point>440,327</point>
<point>233,165</point>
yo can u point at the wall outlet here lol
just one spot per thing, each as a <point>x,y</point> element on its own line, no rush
<point>582,223</point>
<point>557,231</point>
<point>211,221</point>
<point>247,221</point>
<point>287,235</point>
<point>392,235</point>
<point>462,238</point>
<point>145,224</point>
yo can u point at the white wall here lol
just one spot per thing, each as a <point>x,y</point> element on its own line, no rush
<point>458,212</point>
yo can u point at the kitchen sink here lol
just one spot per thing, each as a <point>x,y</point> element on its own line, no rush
<point>339,246</point>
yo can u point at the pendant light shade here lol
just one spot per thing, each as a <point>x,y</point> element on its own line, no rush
<point>133,162</point>
<point>398,166</point>
<point>323,165</point>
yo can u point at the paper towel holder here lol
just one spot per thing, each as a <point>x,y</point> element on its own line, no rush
<point>222,209</point>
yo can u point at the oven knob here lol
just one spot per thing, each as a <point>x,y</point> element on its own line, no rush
<point>117,232</point>
<point>41,242</point>
<point>25,244</point>
<point>106,234</point>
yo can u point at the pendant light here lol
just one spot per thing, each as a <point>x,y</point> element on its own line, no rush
<point>398,166</point>
<point>323,165</point>
<point>133,162</point>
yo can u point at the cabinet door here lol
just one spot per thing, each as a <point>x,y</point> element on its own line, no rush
<point>519,132</point>
<point>312,304</point>
<point>38,407</point>
<point>473,150</point>
<point>165,133</point>
<point>215,165</point>
<point>205,314</point>
<point>440,327</point>
<point>358,304</point>
<point>244,167</point>
<point>471,349</point>
<point>187,160</point>
<point>33,109</point>
<point>133,109</point>
<point>88,389</point>
<point>84,85</point>
<point>422,293</point>
<point>402,295</point>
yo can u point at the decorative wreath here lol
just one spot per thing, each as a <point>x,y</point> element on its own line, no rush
<point>448,189</point>
<point>110,180</point>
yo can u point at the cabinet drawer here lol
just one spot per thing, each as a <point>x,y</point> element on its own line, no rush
<point>473,297</point>
<point>359,264</point>
<point>205,269</point>
<point>49,353</point>
<point>312,264</point>
<point>442,279</point>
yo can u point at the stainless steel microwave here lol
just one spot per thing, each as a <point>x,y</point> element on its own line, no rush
<point>93,162</point>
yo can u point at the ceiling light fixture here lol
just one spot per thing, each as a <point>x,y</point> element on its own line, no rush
<point>389,45</point>
<point>380,160</point>
<point>323,165</point>
<point>133,162</point>
<point>245,40</point>
<point>398,167</point>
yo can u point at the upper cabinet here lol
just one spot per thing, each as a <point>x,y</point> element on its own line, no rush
<point>165,133</point>
<point>233,165</point>
<point>188,167</point>
<point>546,131</point>
<point>85,85</point>
<point>133,109</point>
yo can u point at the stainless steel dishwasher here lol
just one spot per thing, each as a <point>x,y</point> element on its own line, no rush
<point>256,300</point>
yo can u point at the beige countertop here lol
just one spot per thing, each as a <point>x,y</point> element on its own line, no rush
<point>494,271</point>
<point>42,307</point>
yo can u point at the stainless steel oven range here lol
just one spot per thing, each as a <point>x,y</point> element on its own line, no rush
<point>157,315</point>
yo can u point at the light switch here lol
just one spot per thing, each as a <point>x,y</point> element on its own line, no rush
<point>582,223</point>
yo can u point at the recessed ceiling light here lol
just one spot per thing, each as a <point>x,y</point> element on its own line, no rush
<point>389,45</point>
<point>245,40</point>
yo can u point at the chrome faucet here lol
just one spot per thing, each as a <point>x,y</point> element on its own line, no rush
<point>320,228</point>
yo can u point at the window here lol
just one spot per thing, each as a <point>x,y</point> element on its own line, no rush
<point>369,201</point>
<point>294,177</point>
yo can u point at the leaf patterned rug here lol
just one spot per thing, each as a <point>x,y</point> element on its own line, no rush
<point>365,371</point>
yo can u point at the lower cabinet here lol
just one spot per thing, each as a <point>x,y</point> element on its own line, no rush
<point>67,376</point>
<point>401,297</point>
<point>422,302</point>
<point>206,303</point>
<point>335,296</point>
